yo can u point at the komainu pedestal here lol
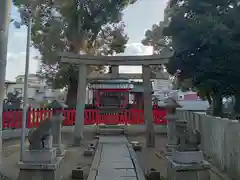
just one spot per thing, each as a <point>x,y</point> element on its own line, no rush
<point>40,164</point>
<point>187,171</point>
<point>41,161</point>
<point>187,161</point>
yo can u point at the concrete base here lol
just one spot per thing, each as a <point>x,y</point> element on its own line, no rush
<point>77,173</point>
<point>188,157</point>
<point>153,174</point>
<point>89,152</point>
<point>36,174</point>
<point>176,171</point>
<point>41,156</point>
<point>39,170</point>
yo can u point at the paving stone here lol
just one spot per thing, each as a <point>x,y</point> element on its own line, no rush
<point>115,162</point>
<point>117,165</point>
<point>115,178</point>
<point>123,159</point>
<point>116,172</point>
<point>113,140</point>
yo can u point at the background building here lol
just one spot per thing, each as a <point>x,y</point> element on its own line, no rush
<point>38,90</point>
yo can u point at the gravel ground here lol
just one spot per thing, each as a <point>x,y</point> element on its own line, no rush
<point>74,157</point>
<point>148,158</point>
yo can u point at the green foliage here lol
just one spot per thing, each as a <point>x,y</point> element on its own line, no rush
<point>204,36</point>
<point>13,101</point>
<point>90,26</point>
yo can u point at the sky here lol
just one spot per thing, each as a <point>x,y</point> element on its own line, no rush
<point>138,18</point>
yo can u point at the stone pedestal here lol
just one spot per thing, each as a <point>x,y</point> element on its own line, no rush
<point>40,156</point>
<point>188,157</point>
<point>40,164</point>
<point>188,168</point>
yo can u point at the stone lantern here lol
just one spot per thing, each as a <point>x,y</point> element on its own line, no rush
<point>171,105</point>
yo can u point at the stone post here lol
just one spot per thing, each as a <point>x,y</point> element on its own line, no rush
<point>148,116</point>
<point>56,134</point>
<point>172,117</point>
<point>81,95</point>
<point>57,119</point>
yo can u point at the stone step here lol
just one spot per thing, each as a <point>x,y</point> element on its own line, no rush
<point>110,131</point>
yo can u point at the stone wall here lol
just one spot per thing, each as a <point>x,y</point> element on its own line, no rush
<point>220,140</point>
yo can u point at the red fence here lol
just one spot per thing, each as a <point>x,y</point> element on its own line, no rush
<point>13,119</point>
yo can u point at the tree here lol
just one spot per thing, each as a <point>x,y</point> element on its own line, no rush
<point>205,51</point>
<point>202,32</point>
<point>13,101</point>
<point>91,27</point>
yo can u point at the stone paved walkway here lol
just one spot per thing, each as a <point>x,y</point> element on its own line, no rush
<point>115,161</point>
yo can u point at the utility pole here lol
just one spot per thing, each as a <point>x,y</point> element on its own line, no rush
<point>5,10</point>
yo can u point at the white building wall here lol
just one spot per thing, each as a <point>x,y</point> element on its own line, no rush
<point>37,88</point>
<point>162,88</point>
<point>89,96</point>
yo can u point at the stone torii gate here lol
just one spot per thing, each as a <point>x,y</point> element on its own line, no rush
<point>114,61</point>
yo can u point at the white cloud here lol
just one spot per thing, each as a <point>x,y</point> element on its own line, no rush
<point>135,49</point>
<point>16,54</point>
<point>19,35</point>
<point>17,48</point>
<point>16,65</point>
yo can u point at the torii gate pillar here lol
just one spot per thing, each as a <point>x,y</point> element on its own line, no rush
<point>81,96</point>
<point>148,116</point>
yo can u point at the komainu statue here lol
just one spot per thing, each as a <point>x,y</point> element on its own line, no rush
<point>188,140</point>
<point>37,136</point>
